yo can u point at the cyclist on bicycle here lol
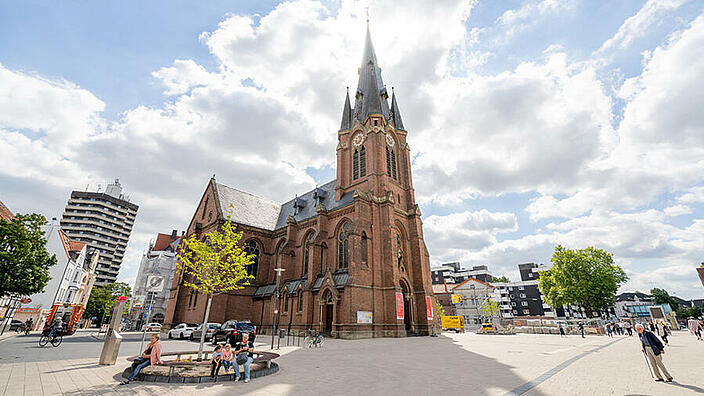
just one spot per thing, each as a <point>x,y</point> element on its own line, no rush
<point>56,327</point>
<point>28,325</point>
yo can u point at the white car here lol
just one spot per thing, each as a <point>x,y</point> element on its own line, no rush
<point>182,331</point>
<point>152,327</point>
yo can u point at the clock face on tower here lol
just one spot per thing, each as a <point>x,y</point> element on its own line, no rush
<point>389,140</point>
<point>358,139</point>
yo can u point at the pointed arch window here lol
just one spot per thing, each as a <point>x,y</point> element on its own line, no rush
<point>253,248</point>
<point>300,300</point>
<point>323,246</point>
<point>343,245</point>
<point>391,163</point>
<point>359,163</point>
<point>364,247</point>
<point>307,246</point>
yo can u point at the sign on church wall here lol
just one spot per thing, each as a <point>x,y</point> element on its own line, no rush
<point>429,307</point>
<point>399,305</point>
<point>364,317</point>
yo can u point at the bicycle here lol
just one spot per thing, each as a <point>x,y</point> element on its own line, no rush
<point>314,340</point>
<point>55,339</point>
<point>23,329</point>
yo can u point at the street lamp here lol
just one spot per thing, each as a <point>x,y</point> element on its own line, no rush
<point>276,304</point>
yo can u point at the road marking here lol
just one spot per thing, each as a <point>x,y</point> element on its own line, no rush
<point>542,378</point>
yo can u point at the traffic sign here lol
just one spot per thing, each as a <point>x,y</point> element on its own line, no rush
<point>121,298</point>
<point>26,300</point>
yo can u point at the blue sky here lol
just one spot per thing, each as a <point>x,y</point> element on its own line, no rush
<point>531,122</point>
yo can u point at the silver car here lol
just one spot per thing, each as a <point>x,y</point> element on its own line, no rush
<point>195,334</point>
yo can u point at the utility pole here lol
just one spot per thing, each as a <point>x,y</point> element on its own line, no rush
<point>276,304</point>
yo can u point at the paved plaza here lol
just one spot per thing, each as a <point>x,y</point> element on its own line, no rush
<point>453,364</point>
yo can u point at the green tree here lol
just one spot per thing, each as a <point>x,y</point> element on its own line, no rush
<point>586,277</point>
<point>490,308</point>
<point>439,309</point>
<point>661,296</point>
<point>500,279</point>
<point>215,266</point>
<point>24,261</point>
<point>102,299</point>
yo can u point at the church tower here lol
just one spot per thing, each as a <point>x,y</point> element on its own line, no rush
<point>372,153</point>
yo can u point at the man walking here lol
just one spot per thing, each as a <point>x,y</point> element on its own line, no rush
<point>653,349</point>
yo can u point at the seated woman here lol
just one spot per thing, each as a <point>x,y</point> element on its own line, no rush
<point>151,355</point>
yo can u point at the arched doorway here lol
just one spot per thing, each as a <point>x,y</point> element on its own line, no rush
<point>407,307</point>
<point>328,305</point>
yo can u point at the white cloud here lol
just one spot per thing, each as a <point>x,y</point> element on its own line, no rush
<point>694,195</point>
<point>677,210</point>
<point>637,25</point>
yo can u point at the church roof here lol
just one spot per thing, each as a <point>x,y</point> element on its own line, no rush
<point>396,113</point>
<point>5,213</point>
<point>346,114</point>
<point>371,96</point>
<point>305,206</point>
<point>263,213</point>
<point>248,209</point>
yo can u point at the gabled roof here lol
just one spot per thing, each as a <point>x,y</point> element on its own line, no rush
<point>5,213</point>
<point>247,209</point>
<point>310,200</point>
<point>472,279</point>
<point>75,246</point>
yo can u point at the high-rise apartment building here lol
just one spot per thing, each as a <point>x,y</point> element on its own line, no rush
<point>104,221</point>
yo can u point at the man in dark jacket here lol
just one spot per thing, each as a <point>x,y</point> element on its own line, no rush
<point>653,349</point>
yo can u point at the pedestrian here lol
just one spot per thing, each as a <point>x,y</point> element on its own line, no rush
<point>652,326</point>
<point>653,350</point>
<point>665,334</point>
<point>216,361</point>
<point>227,358</point>
<point>243,356</point>
<point>629,329</point>
<point>609,330</point>
<point>562,331</point>
<point>150,356</point>
<point>581,328</point>
<point>698,329</point>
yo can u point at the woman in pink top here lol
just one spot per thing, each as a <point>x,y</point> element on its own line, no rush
<point>150,356</point>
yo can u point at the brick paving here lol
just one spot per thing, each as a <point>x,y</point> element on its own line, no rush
<point>453,364</point>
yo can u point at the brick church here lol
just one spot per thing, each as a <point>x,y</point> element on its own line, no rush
<point>352,252</point>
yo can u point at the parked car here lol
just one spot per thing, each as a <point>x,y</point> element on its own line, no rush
<point>212,327</point>
<point>15,324</point>
<point>235,328</point>
<point>152,327</point>
<point>182,330</point>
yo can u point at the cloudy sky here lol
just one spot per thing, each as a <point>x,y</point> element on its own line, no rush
<point>531,122</point>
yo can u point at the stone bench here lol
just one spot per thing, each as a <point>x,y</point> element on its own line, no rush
<point>260,357</point>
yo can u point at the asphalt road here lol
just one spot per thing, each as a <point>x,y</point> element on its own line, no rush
<point>80,345</point>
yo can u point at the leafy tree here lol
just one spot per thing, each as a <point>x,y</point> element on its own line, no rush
<point>688,312</point>
<point>490,308</point>
<point>102,299</point>
<point>586,277</point>
<point>439,309</point>
<point>24,261</point>
<point>661,296</point>
<point>500,279</point>
<point>215,266</point>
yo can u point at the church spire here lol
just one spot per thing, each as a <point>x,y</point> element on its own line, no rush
<point>346,113</point>
<point>371,96</point>
<point>395,112</point>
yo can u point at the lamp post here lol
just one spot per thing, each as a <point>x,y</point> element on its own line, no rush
<point>276,304</point>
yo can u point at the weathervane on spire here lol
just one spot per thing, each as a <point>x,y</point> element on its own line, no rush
<point>367,16</point>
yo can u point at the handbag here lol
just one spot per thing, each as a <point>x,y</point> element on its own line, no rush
<point>242,357</point>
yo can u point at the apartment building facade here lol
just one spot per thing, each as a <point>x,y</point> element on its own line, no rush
<point>104,221</point>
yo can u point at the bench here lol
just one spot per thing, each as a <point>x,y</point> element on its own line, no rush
<point>260,357</point>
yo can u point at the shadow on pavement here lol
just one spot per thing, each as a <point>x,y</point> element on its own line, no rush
<point>690,387</point>
<point>380,366</point>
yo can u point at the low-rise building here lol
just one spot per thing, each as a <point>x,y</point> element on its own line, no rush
<point>151,287</point>
<point>474,294</point>
<point>71,279</point>
<point>453,273</point>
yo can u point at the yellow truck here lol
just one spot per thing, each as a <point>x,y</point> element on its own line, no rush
<point>455,323</point>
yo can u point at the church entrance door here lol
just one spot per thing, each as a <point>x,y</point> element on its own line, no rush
<point>328,306</point>
<point>407,311</point>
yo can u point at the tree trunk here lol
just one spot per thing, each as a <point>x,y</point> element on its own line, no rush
<point>204,329</point>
